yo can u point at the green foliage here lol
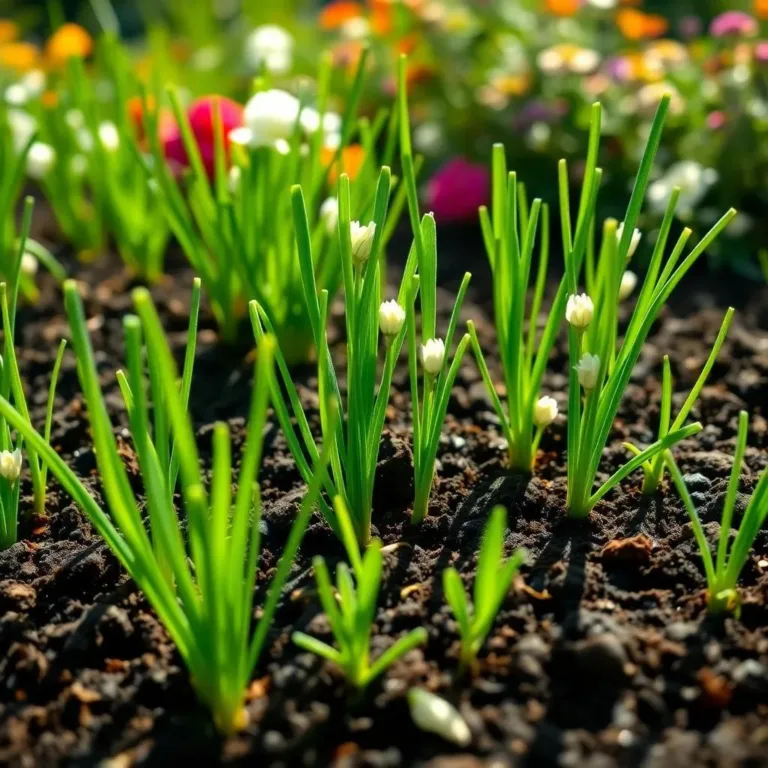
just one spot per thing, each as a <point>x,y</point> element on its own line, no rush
<point>724,570</point>
<point>357,436</point>
<point>201,585</point>
<point>590,420</point>
<point>351,611</point>
<point>653,470</point>
<point>509,233</point>
<point>493,580</point>
<point>429,405</point>
<point>236,230</point>
<point>12,388</point>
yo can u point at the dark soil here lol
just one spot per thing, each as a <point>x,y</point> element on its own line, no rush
<point>602,655</point>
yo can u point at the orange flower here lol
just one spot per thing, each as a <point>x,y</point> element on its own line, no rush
<point>636,25</point>
<point>20,57</point>
<point>352,159</point>
<point>9,31</point>
<point>381,16</point>
<point>67,42</point>
<point>562,7</point>
<point>338,13</point>
<point>761,9</point>
<point>347,54</point>
<point>50,99</point>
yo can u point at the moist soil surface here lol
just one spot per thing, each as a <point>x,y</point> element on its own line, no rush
<point>601,655</point>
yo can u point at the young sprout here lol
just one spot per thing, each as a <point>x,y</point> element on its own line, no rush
<point>600,365</point>
<point>493,580</point>
<point>357,437</point>
<point>351,611</point>
<point>12,389</point>
<point>198,573</point>
<point>509,233</point>
<point>763,256</point>
<point>723,571</point>
<point>429,402</point>
<point>653,470</point>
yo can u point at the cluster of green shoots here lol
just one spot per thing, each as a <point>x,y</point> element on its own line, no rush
<point>236,229</point>
<point>12,389</point>
<point>198,573</point>
<point>724,570</point>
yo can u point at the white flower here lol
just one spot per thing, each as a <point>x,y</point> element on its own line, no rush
<point>551,61</point>
<point>10,465</point>
<point>579,310</point>
<point>584,61</point>
<point>241,136</point>
<point>29,264</point>
<point>16,95</point>
<point>271,117</point>
<point>356,28</point>
<point>109,136</point>
<point>436,715</point>
<point>628,283</point>
<point>329,213</point>
<point>694,181</point>
<point>603,5</point>
<point>636,237</point>
<point>429,137</point>
<point>588,371</point>
<point>271,46</point>
<point>22,126</point>
<point>34,82</point>
<point>84,140</point>
<point>432,356</point>
<point>545,411</point>
<point>40,160</point>
<point>391,317</point>
<point>362,240</point>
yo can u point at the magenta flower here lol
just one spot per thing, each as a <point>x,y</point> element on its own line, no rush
<point>457,190</point>
<point>690,27</point>
<point>733,23</point>
<point>716,120</point>
<point>201,119</point>
<point>761,51</point>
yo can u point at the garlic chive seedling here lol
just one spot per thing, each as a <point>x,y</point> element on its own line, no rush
<point>237,230</point>
<point>493,580</point>
<point>356,438</point>
<point>429,403</point>
<point>600,364</point>
<point>723,571</point>
<point>653,470</point>
<point>510,233</point>
<point>12,453</point>
<point>198,574</point>
<point>353,613</point>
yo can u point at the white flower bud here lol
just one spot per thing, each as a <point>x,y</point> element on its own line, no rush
<point>636,237</point>
<point>545,411</point>
<point>391,317</point>
<point>436,715</point>
<point>109,136</point>
<point>40,160</point>
<point>362,240</point>
<point>588,371</point>
<point>329,213</point>
<point>628,283</point>
<point>432,356</point>
<point>10,465</point>
<point>28,264</point>
<point>271,46</point>
<point>579,310</point>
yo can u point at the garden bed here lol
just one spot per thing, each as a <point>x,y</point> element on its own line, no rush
<point>602,655</point>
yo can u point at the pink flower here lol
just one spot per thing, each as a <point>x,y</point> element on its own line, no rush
<point>761,51</point>
<point>736,23</point>
<point>716,120</point>
<point>201,120</point>
<point>457,190</point>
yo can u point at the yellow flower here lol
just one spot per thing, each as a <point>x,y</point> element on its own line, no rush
<point>67,42</point>
<point>20,57</point>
